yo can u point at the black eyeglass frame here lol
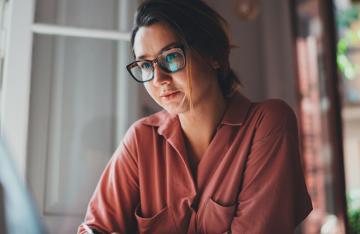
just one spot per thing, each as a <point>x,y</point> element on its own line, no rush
<point>133,64</point>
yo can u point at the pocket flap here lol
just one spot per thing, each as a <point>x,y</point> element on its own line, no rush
<point>161,222</point>
<point>217,218</point>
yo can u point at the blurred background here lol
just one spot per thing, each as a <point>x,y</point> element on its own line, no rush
<point>66,99</point>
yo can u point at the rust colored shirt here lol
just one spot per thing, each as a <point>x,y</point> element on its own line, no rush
<point>249,180</point>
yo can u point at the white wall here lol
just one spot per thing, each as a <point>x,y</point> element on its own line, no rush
<point>246,58</point>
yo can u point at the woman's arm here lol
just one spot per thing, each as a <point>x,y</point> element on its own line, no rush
<point>273,196</point>
<point>112,206</point>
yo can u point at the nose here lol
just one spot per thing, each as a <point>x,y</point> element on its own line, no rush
<point>160,76</point>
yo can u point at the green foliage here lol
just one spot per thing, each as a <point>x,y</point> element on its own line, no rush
<point>353,202</point>
<point>344,19</point>
<point>354,221</point>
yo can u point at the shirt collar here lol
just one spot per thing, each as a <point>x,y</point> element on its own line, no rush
<point>235,114</point>
<point>165,122</point>
<point>169,127</point>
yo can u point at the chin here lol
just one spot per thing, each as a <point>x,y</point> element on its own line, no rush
<point>176,108</point>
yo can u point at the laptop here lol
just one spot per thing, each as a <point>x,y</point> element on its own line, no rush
<point>17,212</point>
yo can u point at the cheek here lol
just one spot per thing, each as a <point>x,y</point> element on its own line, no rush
<point>151,90</point>
<point>180,80</point>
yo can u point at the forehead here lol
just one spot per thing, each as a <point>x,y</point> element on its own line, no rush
<point>150,40</point>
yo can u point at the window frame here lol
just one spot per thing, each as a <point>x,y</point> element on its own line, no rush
<point>16,83</point>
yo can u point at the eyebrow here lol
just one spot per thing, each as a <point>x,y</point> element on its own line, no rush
<point>162,50</point>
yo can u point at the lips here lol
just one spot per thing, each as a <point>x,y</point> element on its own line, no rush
<point>168,93</point>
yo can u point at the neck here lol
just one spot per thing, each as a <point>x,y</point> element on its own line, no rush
<point>199,124</point>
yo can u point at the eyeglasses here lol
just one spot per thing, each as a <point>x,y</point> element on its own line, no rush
<point>171,60</point>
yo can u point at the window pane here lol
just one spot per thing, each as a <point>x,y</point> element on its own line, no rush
<point>92,14</point>
<point>73,117</point>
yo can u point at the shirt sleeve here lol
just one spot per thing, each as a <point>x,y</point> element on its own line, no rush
<point>273,196</point>
<point>112,206</point>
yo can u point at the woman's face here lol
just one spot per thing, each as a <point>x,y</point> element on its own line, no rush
<point>171,90</point>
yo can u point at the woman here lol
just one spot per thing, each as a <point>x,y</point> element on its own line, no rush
<point>211,161</point>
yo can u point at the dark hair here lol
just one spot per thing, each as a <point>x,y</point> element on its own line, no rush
<point>198,26</point>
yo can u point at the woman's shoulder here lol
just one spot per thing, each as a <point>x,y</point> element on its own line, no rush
<point>276,108</point>
<point>272,116</point>
<point>144,128</point>
<point>242,110</point>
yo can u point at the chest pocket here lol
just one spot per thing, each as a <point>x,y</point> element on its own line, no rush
<point>162,222</point>
<point>216,218</point>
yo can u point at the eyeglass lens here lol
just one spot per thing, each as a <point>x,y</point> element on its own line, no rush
<point>169,61</point>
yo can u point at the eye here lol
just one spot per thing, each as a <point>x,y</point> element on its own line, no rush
<point>171,57</point>
<point>145,65</point>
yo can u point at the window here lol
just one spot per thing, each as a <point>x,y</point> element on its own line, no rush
<point>67,98</point>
